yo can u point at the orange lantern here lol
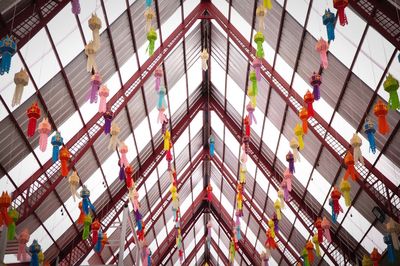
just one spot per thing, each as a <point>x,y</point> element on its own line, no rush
<point>380,111</point>
<point>64,157</point>
<point>309,99</point>
<point>303,114</point>
<point>375,257</point>
<point>310,248</point>
<point>349,162</point>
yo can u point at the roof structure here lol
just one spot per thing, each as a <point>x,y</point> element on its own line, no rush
<point>51,42</point>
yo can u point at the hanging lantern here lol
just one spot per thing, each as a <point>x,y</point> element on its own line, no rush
<point>164,124</point>
<point>44,130</point>
<point>33,114</point>
<point>285,190</point>
<point>34,249</point>
<point>393,229</point>
<point>345,187</point>
<point>246,144</point>
<point>103,94</point>
<point>151,37</point>
<point>162,118</point>
<point>246,123</point>
<point>326,225</point>
<point>76,7</point>
<point>237,226</point>
<point>149,15</point>
<point>90,51</point>
<point>232,251</point>
<point>380,111</point>
<point>161,98</point>
<point>104,241</point>
<point>375,257</point>
<point>211,143</point>
<point>259,39</point>
<point>261,12</point>
<point>7,49</point>
<point>271,226</point>
<point>288,178</point>
<point>253,79</point>
<point>87,221</point>
<point>356,143</point>
<point>86,204</point>
<point>123,150</point>
<point>114,140</point>
<point>257,63</point>
<point>349,162</point>
<point>366,261</point>
<point>277,206</point>
<point>167,140</point>
<point>148,3</point>
<point>391,85</point>
<point>23,239</point>
<point>318,226</point>
<point>94,88</point>
<point>243,157</point>
<point>209,192</point>
<point>387,238</point>
<point>340,5</point>
<point>64,158</point>
<point>299,133</point>
<point>239,199</point>
<point>335,196</point>
<point>316,245</point>
<point>95,25</point>
<point>95,231</point>
<point>204,58</point>
<point>108,116</point>
<point>128,177</point>
<point>21,79</point>
<point>310,249</point>
<point>309,99</point>
<point>290,160</point>
<point>13,218</point>
<point>294,145</point>
<point>281,195</point>
<point>270,243</point>
<point>81,214</point>
<point>250,109</point>
<point>264,259</point>
<point>276,223</point>
<point>303,115</point>
<point>315,81</point>
<point>56,141</point>
<point>328,19</point>
<point>97,247</point>
<point>267,4</point>
<point>252,96</point>
<point>304,255</point>
<point>322,47</point>
<point>134,195</point>
<point>242,173</point>
<point>73,181</point>
<point>41,257</point>
<point>370,130</point>
<point>158,74</point>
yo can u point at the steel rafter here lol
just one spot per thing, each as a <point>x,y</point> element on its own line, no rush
<point>38,186</point>
<point>317,125</point>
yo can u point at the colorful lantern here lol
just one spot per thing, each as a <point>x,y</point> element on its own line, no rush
<point>237,226</point>
<point>21,79</point>
<point>97,247</point>
<point>310,248</point>
<point>239,199</point>
<point>270,243</point>
<point>356,143</point>
<point>76,7</point>
<point>290,160</point>
<point>349,162</point>
<point>335,196</point>
<point>276,223</point>
<point>64,158</point>
<point>309,99</point>
<point>164,124</point>
<point>95,231</point>
<point>114,140</point>
<point>316,245</point>
<point>34,249</point>
<point>250,109</point>
<point>90,51</point>
<point>211,143</point>
<point>13,218</point>
<point>41,258</point>
<point>108,116</point>
<point>284,187</point>
<point>322,47</point>
<point>326,225</point>
<point>209,192</point>
<point>128,177</point>
<point>232,251</point>
<point>271,226</point>
<point>345,187</point>
<point>158,74</point>
<point>304,255</point>
<point>123,150</point>
<point>252,96</point>
<point>393,229</point>
<point>151,37</point>
<point>56,141</point>
<point>257,63</point>
<point>204,58</point>
<point>161,98</point>
<point>380,111</point>
<point>242,173</point>
<point>370,130</point>
<point>33,114</point>
<point>94,87</point>
<point>375,257</point>
<point>288,178</point>
<point>391,85</point>
<point>320,231</point>
<point>86,204</point>
<point>264,259</point>
<point>254,86</point>
<point>23,239</point>
<point>303,115</point>
<point>134,195</point>
<point>328,19</point>
<point>95,25</point>
<point>243,157</point>
<point>149,15</point>
<point>281,195</point>
<point>260,14</point>
<point>7,49</point>
<point>44,131</point>
<point>277,206</point>
<point>73,181</point>
<point>104,241</point>
<point>340,5</point>
<point>87,221</point>
<point>167,140</point>
<point>315,81</point>
<point>267,4</point>
<point>259,39</point>
<point>294,145</point>
<point>81,214</point>
<point>366,261</point>
<point>103,94</point>
<point>387,238</point>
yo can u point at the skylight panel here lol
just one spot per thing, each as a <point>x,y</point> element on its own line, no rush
<point>318,187</point>
<point>113,84</point>
<point>234,95</point>
<point>114,9</point>
<point>70,127</point>
<point>227,204</point>
<point>42,237</point>
<point>197,122</point>
<point>271,134</point>
<point>128,68</point>
<point>374,239</point>
<point>177,94</point>
<point>95,186</point>
<point>389,169</point>
<point>172,22</point>
<point>283,69</point>
<point>57,223</point>
<point>216,124</point>
<point>142,134</point>
<point>161,235</point>
<point>395,71</point>
<point>24,169</point>
<point>240,23</point>
<point>194,76</point>
<point>189,248</point>
<point>298,9</point>
<point>151,180</point>
<point>182,142</point>
<point>189,6</point>
<point>218,76</point>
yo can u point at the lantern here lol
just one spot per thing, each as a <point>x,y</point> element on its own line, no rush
<point>95,25</point>
<point>340,5</point>
<point>326,225</point>
<point>167,140</point>
<point>21,79</point>
<point>94,88</point>
<point>237,226</point>
<point>114,140</point>
<point>23,239</point>
<point>103,94</point>
<point>285,190</point>
<point>209,192</point>
<point>95,231</point>
<point>387,238</point>
<point>81,214</point>
<point>316,245</point>
<point>252,96</point>
<point>290,160</point>
<point>108,116</point>
<point>44,131</point>
<point>356,143</point>
<point>56,141</point>
<point>97,247</point>
<point>335,196</point>
<point>253,79</point>
<point>104,241</point>
<point>271,226</point>
<point>393,229</point>
<point>250,109</point>
<point>73,181</point>
<point>138,219</point>
<point>128,177</point>
<point>260,14</point>
<point>310,249</point>
<point>270,243</point>
<point>86,204</point>
<point>243,157</point>
<point>90,51</point>
<point>267,4</point>
<point>211,143</point>
<point>34,249</point>
<point>375,257</point>
<point>257,67</point>
<point>370,129</point>
<point>320,231</point>
<point>345,187</point>
<point>304,255</point>
<point>288,178</point>
<point>349,162</point>
<point>64,158</point>
<point>41,257</point>
<point>151,37</point>
<point>322,47</point>
<point>281,196</point>
<point>134,194</point>
<point>380,111</point>
<point>7,49</point>
<point>123,150</point>
<point>164,124</point>
<point>366,261</point>
<point>204,58</point>
<point>309,99</point>
<point>294,145</point>
<point>328,19</point>
<point>246,123</point>
<point>242,173</point>
<point>246,144</point>
<point>13,218</point>
<point>315,81</point>
<point>391,85</point>
<point>87,221</point>
<point>239,199</point>
<point>209,226</point>
<point>276,223</point>
<point>161,98</point>
<point>264,258</point>
<point>277,206</point>
<point>76,7</point>
<point>149,15</point>
<point>158,74</point>
<point>232,251</point>
<point>33,114</point>
<point>303,115</point>
<point>259,39</point>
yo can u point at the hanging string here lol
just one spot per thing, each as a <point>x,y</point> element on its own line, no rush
<point>13,18</point>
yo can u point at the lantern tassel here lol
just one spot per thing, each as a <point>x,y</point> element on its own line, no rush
<point>76,7</point>
<point>383,125</point>
<point>31,127</point>
<point>267,4</point>
<point>342,16</point>
<point>330,27</point>
<point>56,151</point>
<point>11,231</point>
<point>394,100</point>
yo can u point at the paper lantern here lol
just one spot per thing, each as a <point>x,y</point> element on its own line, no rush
<point>328,19</point>
<point>56,141</point>
<point>259,39</point>
<point>250,109</point>
<point>267,4</point>
<point>260,14</point>
<point>164,124</point>
<point>315,81</point>
<point>257,63</point>
<point>356,143</point>
<point>97,247</point>
<point>33,114</point>
<point>393,229</point>
<point>23,239</point>
<point>239,199</point>
<point>387,238</point>
<point>167,140</point>
<point>370,130</point>
<point>211,143</point>
<point>316,245</point>
<point>246,144</point>
<point>285,190</point>
<point>309,99</point>
<point>391,85</point>
<point>320,231</point>
<point>242,173</point>
<point>81,214</point>
<point>123,150</point>
<point>108,116</point>
<point>288,178</point>
<point>304,255</point>
<point>8,47</point>
<point>237,226</point>
<point>148,3</point>
<point>380,111</point>
<point>253,98</point>
<point>294,145</point>
<point>366,261</point>
<point>204,58</point>
<point>209,192</point>
<point>34,249</point>
<point>95,25</point>
<point>114,140</point>
<point>76,7</point>
<point>161,103</point>
<point>246,122</point>
<point>349,162</point>
<point>44,130</point>
<point>270,243</point>
<point>95,231</point>
<point>13,218</point>
<point>73,181</point>
<point>326,225</point>
<point>243,156</point>
<point>104,241</point>
<point>232,251</point>
<point>335,196</point>
<point>276,223</point>
<point>277,206</point>
<point>103,94</point>
<point>86,204</point>
<point>41,257</point>
<point>290,160</point>
<point>64,158</point>
<point>253,80</point>
<point>264,259</point>
<point>149,15</point>
<point>375,257</point>
<point>21,79</point>
<point>87,221</point>
<point>151,37</point>
<point>310,249</point>
<point>135,198</point>
<point>281,196</point>
<point>345,188</point>
<point>271,226</point>
<point>322,47</point>
<point>128,177</point>
<point>94,87</point>
<point>340,5</point>
<point>303,115</point>
<point>158,74</point>
<point>90,51</point>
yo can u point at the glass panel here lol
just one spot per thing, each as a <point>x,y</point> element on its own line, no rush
<point>298,9</point>
<point>42,237</point>
<point>177,94</point>
<point>114,9</point>
<point>24,169</point>
<point>142,133</point>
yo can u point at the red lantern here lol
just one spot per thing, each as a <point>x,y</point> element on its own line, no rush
<point>64,157</point>
<point>375,257</point>
<point>247,125</point>
<point>309,99</point>
<point>81,215</point>
<point>349,162</point>
<point>318,225</point>
<point>5,202</point>
<point>128,176</point>
<point>95,231</point>
<point>209,192</point>
<point>380,111</point>
<point>340,5</point>
<point>33,114</point>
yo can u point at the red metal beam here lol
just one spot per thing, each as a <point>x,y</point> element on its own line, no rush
<point>38,186</point>
<point>317,125</point>
<point>221,255</point>
<point>194,252</point>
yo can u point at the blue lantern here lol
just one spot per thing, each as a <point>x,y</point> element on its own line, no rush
<point>56,141</point>
<point>329,21</point>
<point>212,145</point>
<point>7,49</point>
<point>370,129</point>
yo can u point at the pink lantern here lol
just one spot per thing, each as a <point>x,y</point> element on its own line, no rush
<point>123,149</point>
<point>326,225</point>
<point>322,47</point>
<point>44,131</point>
<point>103,93</point>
